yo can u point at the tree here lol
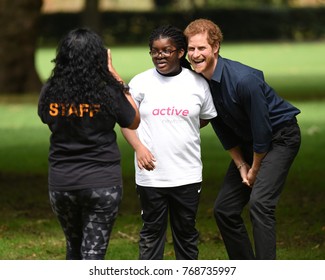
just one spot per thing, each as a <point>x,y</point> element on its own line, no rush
<point>91,15</point>
<point>19,21</point>
<point>163,3</point>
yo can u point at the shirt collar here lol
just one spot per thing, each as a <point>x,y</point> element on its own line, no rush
<point>218,70</point>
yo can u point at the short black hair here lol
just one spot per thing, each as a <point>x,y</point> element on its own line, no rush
<point>176,35</point>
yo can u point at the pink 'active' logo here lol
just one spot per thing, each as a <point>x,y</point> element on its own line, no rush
<point>170,112</point>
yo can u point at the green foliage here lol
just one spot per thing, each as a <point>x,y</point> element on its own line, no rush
<point>240,20</point>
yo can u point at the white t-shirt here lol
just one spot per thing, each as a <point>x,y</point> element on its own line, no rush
<point>170,110</point>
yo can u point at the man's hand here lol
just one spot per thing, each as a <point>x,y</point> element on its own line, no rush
<point>243,170</point>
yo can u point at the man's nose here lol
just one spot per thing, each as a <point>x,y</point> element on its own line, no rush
<point>196,53</point>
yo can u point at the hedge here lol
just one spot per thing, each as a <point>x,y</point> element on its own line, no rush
<point>236,24</point>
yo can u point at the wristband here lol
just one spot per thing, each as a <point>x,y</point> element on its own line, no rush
<point>126,86</point>
<point>241,165</point>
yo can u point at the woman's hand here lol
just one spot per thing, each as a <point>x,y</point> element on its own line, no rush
<point>145,158</point>
<point>110,66</point>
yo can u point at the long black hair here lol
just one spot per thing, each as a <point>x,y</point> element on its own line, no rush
<point>176,35</point>
<point>81,74</point>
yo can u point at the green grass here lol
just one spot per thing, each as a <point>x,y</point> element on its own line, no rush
<point>27,223</point>
<point>29,230</point>
<point>295,70</point>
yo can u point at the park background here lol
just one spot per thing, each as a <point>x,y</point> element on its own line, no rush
<point>283,38</point>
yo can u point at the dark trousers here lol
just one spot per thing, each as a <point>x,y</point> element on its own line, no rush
<point>262,199</point>
<point>87,218</point>
<point>181,203</point>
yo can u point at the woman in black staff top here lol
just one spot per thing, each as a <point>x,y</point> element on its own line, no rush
<point>81,103</point>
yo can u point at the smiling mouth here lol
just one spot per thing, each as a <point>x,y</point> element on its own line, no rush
<point>198,62</point>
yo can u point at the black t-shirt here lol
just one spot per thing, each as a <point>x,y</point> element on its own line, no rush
<point>83,148</point>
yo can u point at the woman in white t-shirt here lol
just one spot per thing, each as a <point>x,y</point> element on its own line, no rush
<point>174,102</point>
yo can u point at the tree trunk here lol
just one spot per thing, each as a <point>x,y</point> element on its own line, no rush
<point>91,15</point>
<point>18,37</point>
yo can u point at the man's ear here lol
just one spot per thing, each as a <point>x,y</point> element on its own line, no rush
<point>216,48</point>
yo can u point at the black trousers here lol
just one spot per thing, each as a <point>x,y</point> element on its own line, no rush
<point>262,198</point>
<point>181,203</point>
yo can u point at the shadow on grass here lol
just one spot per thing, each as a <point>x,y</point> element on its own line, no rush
<point>29,229</point>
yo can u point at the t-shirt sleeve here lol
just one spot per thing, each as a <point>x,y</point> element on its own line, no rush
<point>208,110</point>
<point>135,91</point>
<point>126,112</point>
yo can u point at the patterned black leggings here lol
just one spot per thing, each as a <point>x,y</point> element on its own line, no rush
<point>87,218</point>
